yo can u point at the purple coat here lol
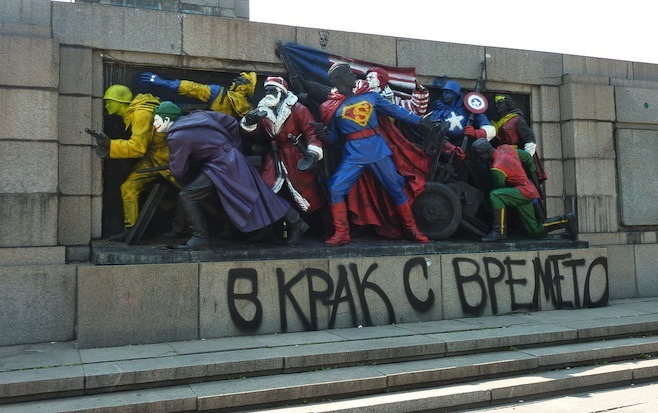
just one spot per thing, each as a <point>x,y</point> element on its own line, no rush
<point>212,139</point>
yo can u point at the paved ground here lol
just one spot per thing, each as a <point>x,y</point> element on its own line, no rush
<point>35,363</point>
<point>629,399</point>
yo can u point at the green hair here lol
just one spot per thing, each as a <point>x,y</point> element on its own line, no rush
<point>169,110</point>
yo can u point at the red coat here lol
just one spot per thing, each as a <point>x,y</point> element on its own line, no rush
<point>506,160</point>
<point>304,184</point>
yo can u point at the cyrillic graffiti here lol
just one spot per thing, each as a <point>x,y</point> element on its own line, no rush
<point>479,284</point>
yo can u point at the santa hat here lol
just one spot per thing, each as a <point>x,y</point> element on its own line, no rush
<point>382,75</point>
<point>277,82</point>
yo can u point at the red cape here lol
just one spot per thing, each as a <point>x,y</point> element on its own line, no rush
<point>368,202</point>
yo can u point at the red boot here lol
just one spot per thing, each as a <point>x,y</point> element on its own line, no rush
<point>409,228</point>
<point>341,226</point>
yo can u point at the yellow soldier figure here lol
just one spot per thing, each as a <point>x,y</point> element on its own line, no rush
<point>145,144</point>
<point>233,100</point>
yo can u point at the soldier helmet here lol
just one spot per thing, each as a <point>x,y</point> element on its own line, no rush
<point>452,86</point>
<point>119,93</point>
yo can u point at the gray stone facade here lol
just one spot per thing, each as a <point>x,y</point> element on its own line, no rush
<point>595,120</point>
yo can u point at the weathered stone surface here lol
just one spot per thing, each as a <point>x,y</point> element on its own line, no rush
<point>621,271</point>
<point>593,66</point>
<point>32,256</point>
<point>573,279</point>
<point>645,270</point>
<point>584,139</point>
<point>29,62</point>
<point>74,116</point>
<point>37,304</point>
<point>487,283</point>
<point>34,174</point>
<point>376,49</point>
<point>28,114</point>
<point>262,297</point>
<point>74,220</point>
<point>636,105</point>
<point>587,102</point>
<point>26,12</point>
<point>201,34</point>
<point>530,67</point>
<point>434,59</point>
<point>75,170</point>
<point>636,167</point>
<point>117,28</point>
<point>28,220</point>
<point>137,304</point>
<point>75,70</point>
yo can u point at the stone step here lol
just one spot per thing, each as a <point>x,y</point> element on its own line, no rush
<point>492,376</point>
<point>69,371</point>
<point>489,392</point>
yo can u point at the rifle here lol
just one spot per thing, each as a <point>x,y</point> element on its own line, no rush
<point>153,169</point>
<point>478,88</point>
<point>97,135</point>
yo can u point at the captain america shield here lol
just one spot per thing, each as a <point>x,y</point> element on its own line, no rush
<point>476,102</point>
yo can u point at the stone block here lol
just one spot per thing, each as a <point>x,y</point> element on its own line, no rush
<point>549,140</point>
<point>636,105</point>
<point>263,297</point>
<point>117,28</point>
<point>78,253</point>
<point>603,238</point>
<point>597,213</point>
<point>636,160</point>
<point>554,205</point>
<point>96,217</point>
<point>74,220</point>
<point>28,114</point>
<point>242,8</point>
<point>584,139</point>
<point>26,12</point>
<point>370,48</point>
<point>531,67</point>
<point>576,278</point>
<point>96,174</point>
<point>21,174</point>
<point>458,61</point>
<point>24,30</point>
<point>477,285</point>
<point>32,256</point>
<point>37,304</point>
<point>594,66</point>
<point>75,170</point>
<point>75,70</point>
<point>645,71</point>
<point>28,220</point>
<point>595,177</point>
<point>137,304</point>
<point>587,102</point>
<point>546,104</point>
<point>621,271</point>
<point>389,289</point>
<point>29,62</point>
<point>554,184</point>
<point>97,83</point>
<point>645,270</point>
<point>218,37</point>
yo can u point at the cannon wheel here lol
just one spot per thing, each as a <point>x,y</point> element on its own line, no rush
<point>438,211</point>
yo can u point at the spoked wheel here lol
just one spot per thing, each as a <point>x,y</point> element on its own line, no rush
<point>438,211</point>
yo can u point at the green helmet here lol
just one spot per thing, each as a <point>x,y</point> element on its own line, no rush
<point>168,109</point>
<point>119,93</point>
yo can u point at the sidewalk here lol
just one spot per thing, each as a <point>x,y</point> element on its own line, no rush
<point>459,332</point>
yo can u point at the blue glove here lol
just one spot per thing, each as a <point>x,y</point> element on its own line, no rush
<point>148,78</point>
